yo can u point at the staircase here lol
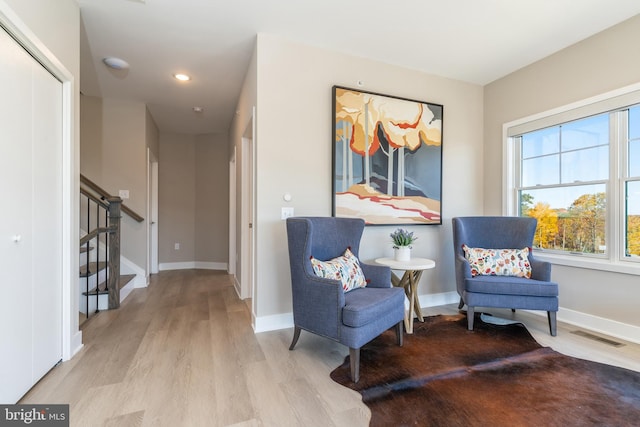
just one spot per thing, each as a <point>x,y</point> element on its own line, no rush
<point>93,287</point>
<point>102,287</point>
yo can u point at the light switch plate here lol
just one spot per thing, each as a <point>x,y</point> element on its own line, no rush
<point>124,194</point>
<point>287,212</point>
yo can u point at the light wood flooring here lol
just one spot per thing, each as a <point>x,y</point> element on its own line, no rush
<point>182,353</point>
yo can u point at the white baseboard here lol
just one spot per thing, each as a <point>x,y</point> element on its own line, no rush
<point>188,265</point>
<point>76,343</point>
<point>126,290</point>
<point>601,325</point>
<point>613,328</point>
<point>128,267</point>
<point>597,324</point>
<point>285,320</point>
<point>434,300</point>
<point>272,322</point>
<point>237,286</point>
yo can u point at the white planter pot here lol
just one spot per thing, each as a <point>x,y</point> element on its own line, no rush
<point>402,253</point>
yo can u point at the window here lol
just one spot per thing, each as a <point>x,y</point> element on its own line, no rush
<point>577,171</point>
<point>564,172</point>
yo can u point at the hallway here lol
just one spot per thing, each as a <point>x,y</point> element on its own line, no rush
<point>182,353</point>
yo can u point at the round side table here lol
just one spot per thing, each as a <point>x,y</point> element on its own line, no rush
<point>413,269</point>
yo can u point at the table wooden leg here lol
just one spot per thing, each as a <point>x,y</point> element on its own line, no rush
<point>405,283</point>
<point>412,300</point>
<point>416,280</point>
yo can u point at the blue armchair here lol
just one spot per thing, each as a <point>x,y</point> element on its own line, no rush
<point>321,306</point>
<point>535,293</point>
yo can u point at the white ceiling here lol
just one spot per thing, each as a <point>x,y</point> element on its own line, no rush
<point>477,41</point>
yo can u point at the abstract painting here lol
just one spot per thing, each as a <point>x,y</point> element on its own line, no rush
<point>387,158</point>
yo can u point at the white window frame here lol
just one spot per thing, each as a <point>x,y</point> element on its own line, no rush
<point>614,259</point>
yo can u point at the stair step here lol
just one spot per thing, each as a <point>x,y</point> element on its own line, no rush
<point>94,267</point>
<point>124,279</point>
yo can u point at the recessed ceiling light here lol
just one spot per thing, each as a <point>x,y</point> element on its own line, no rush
<point>182,77</point>
<point>115,63</point>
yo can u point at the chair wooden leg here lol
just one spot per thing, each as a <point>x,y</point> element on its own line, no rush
<point>354,359</point>
<point>461,304</point>
<point>553,324</point>
<point>470,316</point>
<point>296,335</point>
<point>399,333</point>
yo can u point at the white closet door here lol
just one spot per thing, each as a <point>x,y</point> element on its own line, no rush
<point>30,223</point>
<point>15,226</point>
<point>46,211</point>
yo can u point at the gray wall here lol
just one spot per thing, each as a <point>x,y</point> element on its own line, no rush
<point>115,135</point>
<point>212,198</point>
<point>193,199</point>
<point>293,143</point>
<point>602,63</point>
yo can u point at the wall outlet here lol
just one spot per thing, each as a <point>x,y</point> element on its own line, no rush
<point>176,246</point>
<point>287,212</point>
<point>124,194</point>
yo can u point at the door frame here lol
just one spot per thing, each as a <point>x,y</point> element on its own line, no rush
<point>233,190</point>
<point>14,26</point>
<point>247,214</point>
<point>152,214</point>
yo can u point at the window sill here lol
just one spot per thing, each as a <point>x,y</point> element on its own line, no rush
<point>622,267</point>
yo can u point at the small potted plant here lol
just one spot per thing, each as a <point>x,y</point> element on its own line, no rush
<point>402,240</point>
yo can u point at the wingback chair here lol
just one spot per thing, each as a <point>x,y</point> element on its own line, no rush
<point>321,306</point>
<point>487,290</point>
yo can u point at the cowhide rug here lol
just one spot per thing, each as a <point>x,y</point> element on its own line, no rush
<point>496,375</point>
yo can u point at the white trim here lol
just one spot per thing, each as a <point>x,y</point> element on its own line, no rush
<point>507,148</point>
<point>128,267</point>
<point>597,324</point>
<point>601,325</point>
<point>574,105</point>
<point>590,262</point>
<point>232,211</point>
<point>76,344</point>
<point>285,320</point>
<point>273,322</point>
<point>188,265</point>
<point>435,300</point>
<point>236,285</point>
<point>613,260</point>
<point>211,265</point>
<point>127,289</point>
<point>70,189</point>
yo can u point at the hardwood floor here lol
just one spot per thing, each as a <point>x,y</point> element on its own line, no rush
<point>182,353</point>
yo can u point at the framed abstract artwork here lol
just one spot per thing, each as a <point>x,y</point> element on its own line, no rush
<point>387,158</point>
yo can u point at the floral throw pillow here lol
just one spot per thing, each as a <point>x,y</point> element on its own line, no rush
<point>345,268</point>
<point>498,262</point>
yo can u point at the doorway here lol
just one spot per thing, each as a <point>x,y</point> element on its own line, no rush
<point>152,213</point>
<point>247,228</point>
